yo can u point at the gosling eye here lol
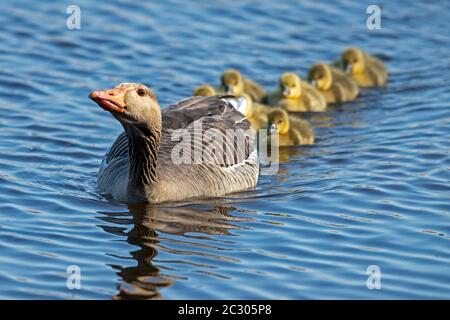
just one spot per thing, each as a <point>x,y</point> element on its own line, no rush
<point>141,92</point>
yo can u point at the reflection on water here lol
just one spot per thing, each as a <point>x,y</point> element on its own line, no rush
<point>373,190</point>
<point>144,280</point>
<point>283,154</point>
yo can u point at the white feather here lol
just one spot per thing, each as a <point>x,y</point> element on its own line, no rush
<point>240,103</point>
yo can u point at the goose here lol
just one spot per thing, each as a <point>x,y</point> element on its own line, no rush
<point>204,90</point>
<point>291,130</point>
<point>365,69</point>
<point>334,84</point>
<point>232,82</point>
<point>143,164</point>
<point>296,95</point>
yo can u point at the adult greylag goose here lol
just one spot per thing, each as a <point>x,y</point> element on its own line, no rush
<point>144,163</point>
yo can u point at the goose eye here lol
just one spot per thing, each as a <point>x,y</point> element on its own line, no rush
<point>141,92</point>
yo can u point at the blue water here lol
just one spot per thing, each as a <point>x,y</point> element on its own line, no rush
<point>374,190</point>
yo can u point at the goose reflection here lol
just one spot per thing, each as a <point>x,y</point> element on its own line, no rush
<point>151,232</point>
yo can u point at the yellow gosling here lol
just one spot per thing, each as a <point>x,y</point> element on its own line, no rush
<point>204,90</point>
<point>334,84</point>
<point>232,82</point>
<point>291,130</point>
<point>365,69</point>
<point>295,95</point>
<point>255,113</point>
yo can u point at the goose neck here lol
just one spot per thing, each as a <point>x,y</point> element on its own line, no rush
<point>143,147</point>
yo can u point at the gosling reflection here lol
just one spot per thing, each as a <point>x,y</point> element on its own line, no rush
<point>285,154</point>
<point>151,226</point>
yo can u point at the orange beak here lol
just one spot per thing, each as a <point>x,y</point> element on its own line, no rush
<point>112,100</point>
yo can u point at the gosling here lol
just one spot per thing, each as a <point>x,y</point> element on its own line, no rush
<point>295,95</point>
<point>291,130</point>
<point>365,69</point>
<point>334,84</point>
<point>255,113</point>
<point>204,90</point>
<point>232,82</point>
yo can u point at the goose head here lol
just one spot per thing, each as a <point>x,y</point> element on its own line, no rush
<point>290,85</point>
<point>278,121</point>
<point>132,104</point>
<point>204,90</point>
<point>353,60</point>
<point>232,82</point>
<point>320,76</point>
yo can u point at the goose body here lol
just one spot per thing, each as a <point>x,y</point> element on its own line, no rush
<point>144,162</point>
<point>334,84</point>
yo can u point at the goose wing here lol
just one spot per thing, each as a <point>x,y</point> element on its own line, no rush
<point>211,124</point>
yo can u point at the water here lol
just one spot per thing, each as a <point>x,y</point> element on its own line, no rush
<point>374,190</point>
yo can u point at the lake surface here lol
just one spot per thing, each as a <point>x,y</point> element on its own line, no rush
<point>374,190</point>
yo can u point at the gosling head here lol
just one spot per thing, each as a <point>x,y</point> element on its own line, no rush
<point>278,121</point>
<point>204,90</point>
<point>133,104</point>
<point>232,82</point>
<point>320,76</point>
<point>290,85</point>
<point>353,60</point>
